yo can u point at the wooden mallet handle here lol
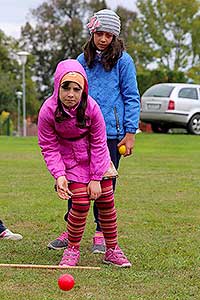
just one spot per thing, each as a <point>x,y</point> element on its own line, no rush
<point>29,266</point>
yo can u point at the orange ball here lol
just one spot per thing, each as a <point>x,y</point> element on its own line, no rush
<point>66,282</point>
<point>122,149</point>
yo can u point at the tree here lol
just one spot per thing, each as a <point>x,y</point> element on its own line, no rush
<point>127,23</point>
<point>96,5</point>
<point>58,34</point>
<point>166,34</point>
<point>11,80</point>
<point>8,74</point>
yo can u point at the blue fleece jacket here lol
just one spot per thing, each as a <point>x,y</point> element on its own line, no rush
<point>117,94</point>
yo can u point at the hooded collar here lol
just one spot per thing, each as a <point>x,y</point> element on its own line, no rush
<point>64,67</point>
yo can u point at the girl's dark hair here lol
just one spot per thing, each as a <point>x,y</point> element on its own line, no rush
<point>61,115</point>
<point>109,57</point>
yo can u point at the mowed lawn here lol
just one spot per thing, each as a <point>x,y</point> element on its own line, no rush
<point>158,204</point>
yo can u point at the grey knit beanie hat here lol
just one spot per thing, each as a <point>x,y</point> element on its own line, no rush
<point>105,20</point>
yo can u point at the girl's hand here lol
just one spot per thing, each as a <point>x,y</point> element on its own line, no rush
<point>94,189</point>
<point>62,188</point>
<point>129,142</point>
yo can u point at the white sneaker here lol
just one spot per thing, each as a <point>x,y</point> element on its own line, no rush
<point>9,235</point>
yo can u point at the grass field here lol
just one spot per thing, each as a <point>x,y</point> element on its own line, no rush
<point>158,204</point>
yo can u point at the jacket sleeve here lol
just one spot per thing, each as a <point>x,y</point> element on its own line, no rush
<point>99,153</point>
<point>49,145</point>
<point>130,93</point>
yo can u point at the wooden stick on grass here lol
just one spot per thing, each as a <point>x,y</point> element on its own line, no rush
<point>29,266</point>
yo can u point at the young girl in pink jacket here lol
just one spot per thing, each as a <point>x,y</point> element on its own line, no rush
<point>72,137</point>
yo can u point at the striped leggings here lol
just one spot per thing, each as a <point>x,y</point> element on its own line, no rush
<point>79,211</point>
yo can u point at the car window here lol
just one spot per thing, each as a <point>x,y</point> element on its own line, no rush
<point>159,91</point>
<point>188,93</point>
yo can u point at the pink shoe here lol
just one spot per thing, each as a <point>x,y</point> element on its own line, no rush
<point>70,257</point>
<point>116,257</point>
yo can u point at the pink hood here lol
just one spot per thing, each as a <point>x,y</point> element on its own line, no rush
<point>62,68</point>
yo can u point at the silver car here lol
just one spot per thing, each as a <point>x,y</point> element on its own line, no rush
<point>172,105</point>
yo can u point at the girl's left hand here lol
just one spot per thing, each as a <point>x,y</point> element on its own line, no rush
<point>94,189</point>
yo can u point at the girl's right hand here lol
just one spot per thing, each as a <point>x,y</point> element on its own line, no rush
<point>62,188</point>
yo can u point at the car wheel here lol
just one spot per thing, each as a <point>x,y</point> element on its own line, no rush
<point>157,128</point>
<point>194,124</point>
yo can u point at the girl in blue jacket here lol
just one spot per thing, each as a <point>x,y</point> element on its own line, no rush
<point>112,83</point>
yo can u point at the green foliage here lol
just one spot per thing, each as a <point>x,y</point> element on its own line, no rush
<point>157,201</point>
<point>58,34</point>
<point>8,74</point>
<point>194,73</point>
<point>11,79</point>
<point>96,5</point>
<point>127,20</point>
<point>166,34</point>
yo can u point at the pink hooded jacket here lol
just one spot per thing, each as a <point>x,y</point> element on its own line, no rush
<point>80,154</point>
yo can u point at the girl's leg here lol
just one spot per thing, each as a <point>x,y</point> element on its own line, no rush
<point>76,223</point>
<point>98,239</point>
<point>115,157</point>
<point>114,154</point>
<point>108,221</point>
<point>78,213</point>
<point>107,214</point>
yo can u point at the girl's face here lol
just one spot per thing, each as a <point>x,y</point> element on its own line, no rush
<point>102,39</point>
<point>70,94</point>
